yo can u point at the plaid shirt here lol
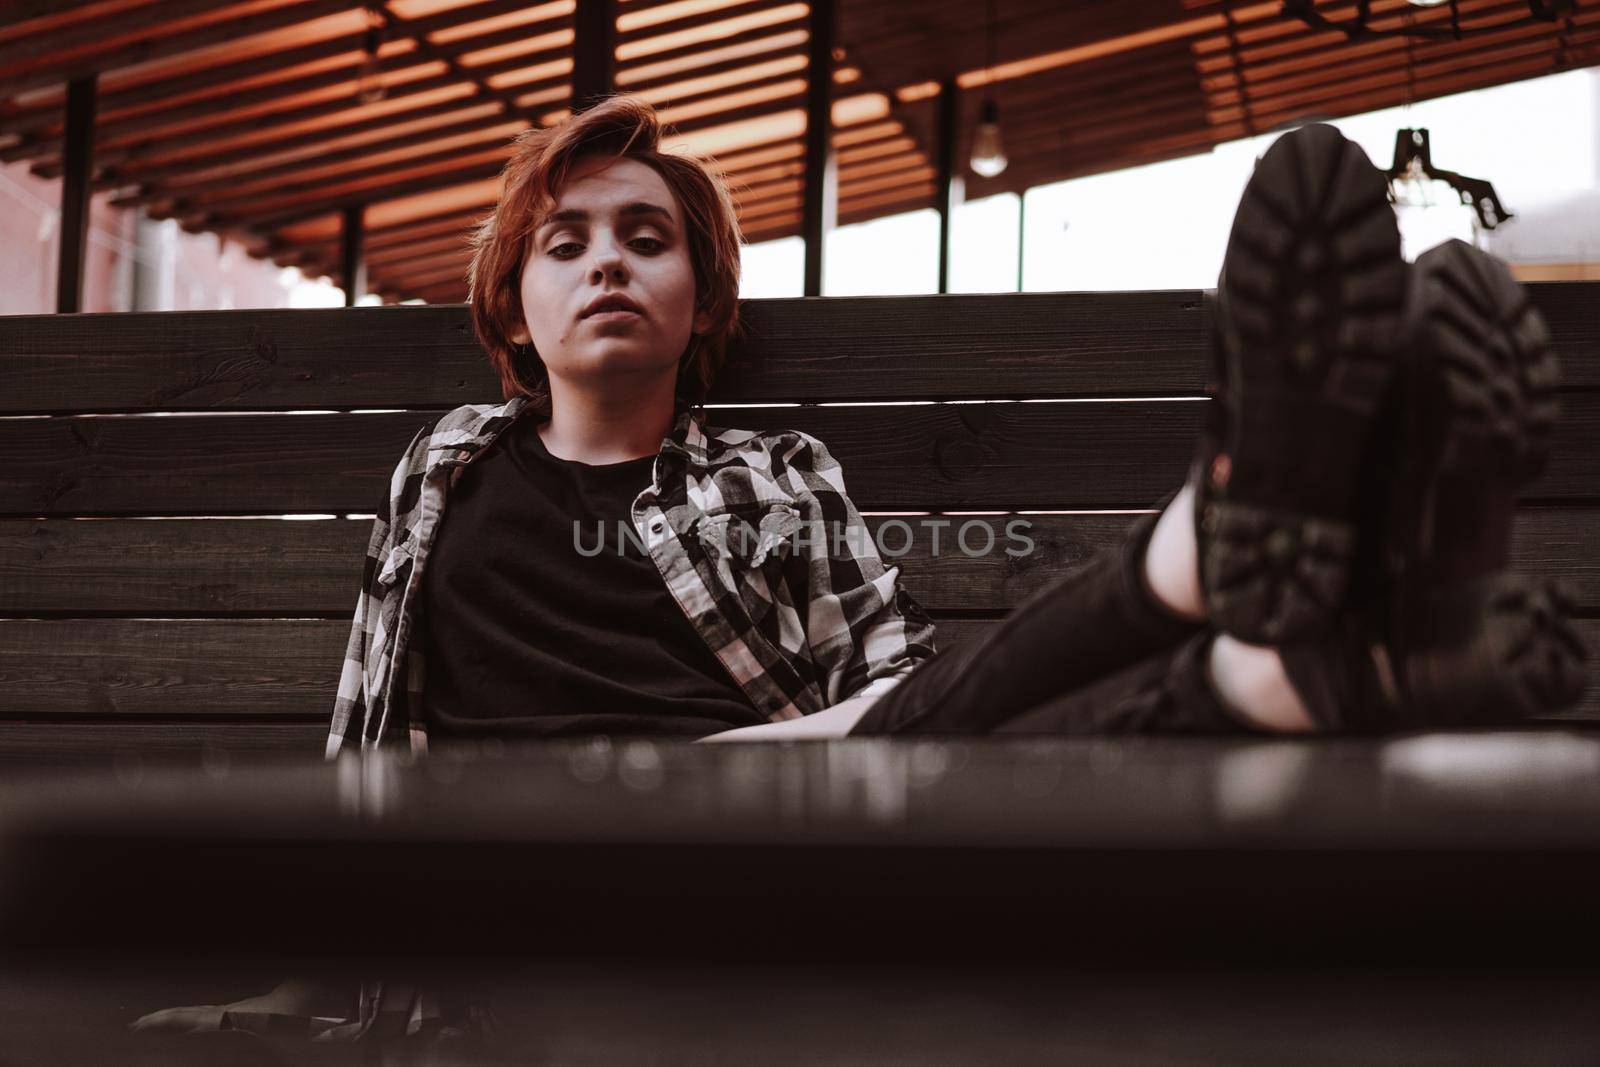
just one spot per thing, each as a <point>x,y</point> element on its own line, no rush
<point>752,532</point>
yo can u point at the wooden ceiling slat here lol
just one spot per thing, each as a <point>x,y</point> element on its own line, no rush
<point>454,275</point>
<point>1358,77</point>
<point>35,49</point>
<point>455,48</point>
<point>1492,73</point>
<point>326,204</point>
<point>292,113</point>
<point>455,253</point>
<point>757,192</point>
<point>113,98</point>
<point>166,142</point>
<point>120,154</point>
<point>348,185</point>
<point>642,85</point>
<point>242,179</point>
<point>670,104</point>
<point>414,250</point>
<point>456,220</point>
<point>1310,77</point>
<point>692,20</point>
<point>20,11</point>
<point>689,50</point>
<point>1260,65</point>
<point>116,97</point>
<point>143,171</point>
<point>1262,37</point>
<point>159,47</point>
<point>285,91</point>
<point>424,274</point>
<point>161,118</point>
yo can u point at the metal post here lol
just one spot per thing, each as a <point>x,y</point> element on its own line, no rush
<point>352,254</point>
<point>594,52</point>
<point>1022,232</point>
<point>77,167</point>
<point>952,185</point>
<point>820,204</point>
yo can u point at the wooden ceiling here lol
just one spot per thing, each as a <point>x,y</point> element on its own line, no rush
<point>246,117</point>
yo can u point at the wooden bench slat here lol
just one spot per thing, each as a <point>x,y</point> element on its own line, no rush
<point>258,669</point>
<point>161,668</point>
<point>838,348</point>
<point>175,566</point>
<point>919,456</point>
<point>126,747</point>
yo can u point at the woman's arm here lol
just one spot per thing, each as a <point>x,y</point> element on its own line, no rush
<point>866,631</point>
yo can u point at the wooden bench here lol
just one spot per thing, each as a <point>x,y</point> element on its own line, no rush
<point>152,604</point>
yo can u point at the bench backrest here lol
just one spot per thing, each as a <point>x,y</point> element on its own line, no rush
<point>151,602</point>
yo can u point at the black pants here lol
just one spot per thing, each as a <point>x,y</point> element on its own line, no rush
<point>1092,653</point>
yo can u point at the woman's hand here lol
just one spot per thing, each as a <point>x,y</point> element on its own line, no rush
<point>191,1020</point>
<point>833,722</point>
<point>293,996</point>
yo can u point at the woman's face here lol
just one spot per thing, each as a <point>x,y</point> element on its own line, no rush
<point>616,234</point>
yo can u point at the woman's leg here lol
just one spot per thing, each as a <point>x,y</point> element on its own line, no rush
<point>1210,684</point>
<point>1088,625</point>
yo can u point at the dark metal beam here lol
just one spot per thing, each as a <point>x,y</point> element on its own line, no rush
<point>594,52</point>
<point>77,167</point>
<point>820,199</point>
<point>352,254</point>
<point>952,186</point>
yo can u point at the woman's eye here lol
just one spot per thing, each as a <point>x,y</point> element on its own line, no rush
<point>655,245</point>
<point>566,250</point>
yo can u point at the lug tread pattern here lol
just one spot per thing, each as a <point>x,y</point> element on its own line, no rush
<point>1312,301</point>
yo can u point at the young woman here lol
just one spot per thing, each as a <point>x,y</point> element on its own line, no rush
<point>1336,561</point>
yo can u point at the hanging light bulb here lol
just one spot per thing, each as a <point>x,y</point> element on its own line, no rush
<point>369,85</point>
<point>988,157</point>
<point>1414,186</point>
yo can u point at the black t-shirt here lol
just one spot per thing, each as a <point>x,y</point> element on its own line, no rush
<point>525,634</point>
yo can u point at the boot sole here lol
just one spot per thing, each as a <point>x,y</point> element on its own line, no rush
<point>1491,350</point>
<point>1500,650</point>
<point>1309,314</point>
<point>1489,356</point>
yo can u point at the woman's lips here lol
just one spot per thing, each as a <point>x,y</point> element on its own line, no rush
<point>613,315</point>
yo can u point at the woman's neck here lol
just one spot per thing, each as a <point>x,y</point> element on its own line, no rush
<point>612,429</point>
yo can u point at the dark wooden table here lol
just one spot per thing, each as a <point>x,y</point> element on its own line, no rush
<point>1125,900</point>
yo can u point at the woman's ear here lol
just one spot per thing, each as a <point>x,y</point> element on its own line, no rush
<point>521,336</point>
<point>702,321</point>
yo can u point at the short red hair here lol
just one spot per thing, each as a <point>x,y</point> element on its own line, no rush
<point>620,126</point>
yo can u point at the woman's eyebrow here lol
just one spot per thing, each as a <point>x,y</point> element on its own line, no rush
<point>638,207</point>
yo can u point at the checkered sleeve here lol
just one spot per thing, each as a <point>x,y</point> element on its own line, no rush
<point>351,702</point>
<point>865,629</point>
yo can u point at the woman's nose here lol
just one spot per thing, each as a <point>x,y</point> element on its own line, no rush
<point>608,263</point>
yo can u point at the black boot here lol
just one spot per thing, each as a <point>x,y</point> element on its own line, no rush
<point>1309,308</point>
<point>1448,636</point>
